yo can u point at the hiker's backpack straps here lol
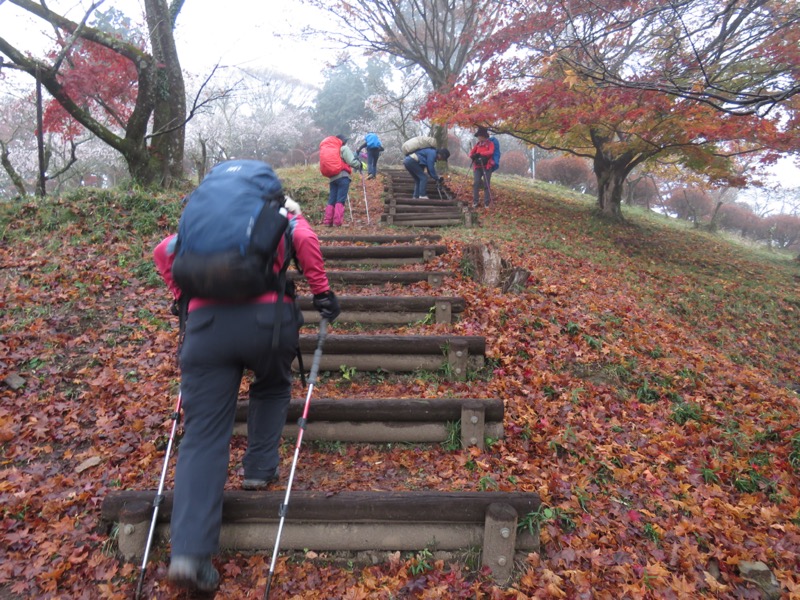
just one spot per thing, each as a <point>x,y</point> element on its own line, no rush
<point>284,288</point>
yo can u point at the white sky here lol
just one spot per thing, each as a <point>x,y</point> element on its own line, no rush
<point>232,32</point>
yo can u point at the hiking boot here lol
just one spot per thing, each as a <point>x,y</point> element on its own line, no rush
<point>194,573</point>
<point>258,484</point>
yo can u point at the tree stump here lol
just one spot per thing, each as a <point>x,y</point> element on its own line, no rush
<point>513,279</point>
<point>482,262</point>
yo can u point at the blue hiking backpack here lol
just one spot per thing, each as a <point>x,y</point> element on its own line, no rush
<point>372,141</point>
<point>496,155</point>
<point>229,233</point>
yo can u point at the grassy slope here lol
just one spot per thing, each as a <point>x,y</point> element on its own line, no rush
<point>646,371</point>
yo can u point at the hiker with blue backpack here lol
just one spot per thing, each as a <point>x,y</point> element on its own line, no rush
<point>374,149</point>
<point>226,269</point>
<point>482,155</point>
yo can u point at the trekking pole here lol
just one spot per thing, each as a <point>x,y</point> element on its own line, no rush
<point>350,206</point>
<point>439,187</point>
<point>312,378</point>
<point>486,184</point>
<point>364,185</point>
<point>159,498</point>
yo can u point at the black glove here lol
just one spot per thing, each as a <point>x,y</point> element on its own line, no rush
<point>327,305</point>
<point>441,179</point>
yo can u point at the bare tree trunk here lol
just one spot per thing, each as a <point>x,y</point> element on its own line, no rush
<point>15,177</point>
<point>169,114</point>
<point>611,171</point>
<point>160,97</point>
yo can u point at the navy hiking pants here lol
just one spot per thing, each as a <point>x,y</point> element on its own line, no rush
<point>221,342</point>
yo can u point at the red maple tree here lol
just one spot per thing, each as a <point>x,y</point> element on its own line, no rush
<point>535,88</point>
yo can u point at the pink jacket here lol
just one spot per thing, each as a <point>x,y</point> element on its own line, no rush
<point>306,249</point>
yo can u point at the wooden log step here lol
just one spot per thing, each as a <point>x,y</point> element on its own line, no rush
<point>430,209</point>
<point>400,420</point>
<point>424,215</point>
<point>424,506</point>
<point>452,355</point>
<point>366,252</point>
<point>394,201</point>
<point>432,194</point>
<point>434,278</point>
<point>382,239</point>
<point>405,410</point>
<point>394,309</point>
<point>347,521</point>
<point>422,222</point>
<point>393,344</point>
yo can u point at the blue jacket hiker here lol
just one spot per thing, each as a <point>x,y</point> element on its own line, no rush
<point>417,163</point>
<point>374,148</point>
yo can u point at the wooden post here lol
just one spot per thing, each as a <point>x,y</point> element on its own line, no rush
<point>428,254</point>
<point>444,312</point>
<point>499,540</point>
<point>457,359</point>
<point>134,526</point>
<point>473,422</point>
<point>467,217</point>
<point>435,280</point>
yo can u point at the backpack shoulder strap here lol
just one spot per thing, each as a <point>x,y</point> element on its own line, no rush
<point>283,286</point>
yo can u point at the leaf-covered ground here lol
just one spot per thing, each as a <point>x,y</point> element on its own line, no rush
<point>649,371</point>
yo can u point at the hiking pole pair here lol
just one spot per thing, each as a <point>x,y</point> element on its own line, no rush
<point>364,185</point>
<point>301,422</point>
<point>159,498</point>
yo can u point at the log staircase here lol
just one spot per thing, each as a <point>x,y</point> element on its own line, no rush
<point>441,209</point>
<point>373,521</point>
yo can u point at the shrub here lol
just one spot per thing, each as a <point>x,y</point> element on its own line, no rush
<point>515,162</point>
<point>569,171</point>
<point>691,204</point>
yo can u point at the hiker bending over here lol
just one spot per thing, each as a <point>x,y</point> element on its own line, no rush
<point>421,164</point>
<point>226,334</point>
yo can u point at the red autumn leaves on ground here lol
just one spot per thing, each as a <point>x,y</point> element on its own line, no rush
<point>646,373</point>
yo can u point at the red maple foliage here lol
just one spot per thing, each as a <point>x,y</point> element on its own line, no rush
<point>99,79</point>
<point>646,374</point>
